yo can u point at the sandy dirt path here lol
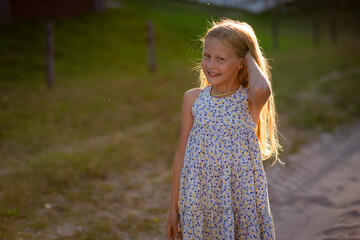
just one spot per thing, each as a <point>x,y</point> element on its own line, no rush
<point>317,195</point>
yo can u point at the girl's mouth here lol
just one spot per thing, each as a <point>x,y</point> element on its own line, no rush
<point>213,74</point>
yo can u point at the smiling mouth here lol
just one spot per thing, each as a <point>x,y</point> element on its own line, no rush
<point>213,74</point>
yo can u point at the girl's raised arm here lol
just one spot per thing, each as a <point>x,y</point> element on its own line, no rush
<point>259,86</point>
<point>186,125</point>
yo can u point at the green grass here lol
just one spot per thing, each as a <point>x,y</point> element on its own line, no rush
<point>79,145</point>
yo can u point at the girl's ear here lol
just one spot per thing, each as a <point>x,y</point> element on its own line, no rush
<point>241,63</point>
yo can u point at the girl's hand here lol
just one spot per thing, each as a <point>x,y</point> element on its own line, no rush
<point>172,226</point>
<point>247,58</point>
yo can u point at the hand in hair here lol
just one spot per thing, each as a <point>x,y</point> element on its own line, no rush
<point>248,57</point>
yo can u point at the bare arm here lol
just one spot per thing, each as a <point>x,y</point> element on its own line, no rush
<point>259,86</point>
<point>186,125</point>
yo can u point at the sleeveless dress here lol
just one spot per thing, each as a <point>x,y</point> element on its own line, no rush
<point>223,188</point>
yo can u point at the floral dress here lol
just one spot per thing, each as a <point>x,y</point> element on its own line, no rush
<point>223,188</point>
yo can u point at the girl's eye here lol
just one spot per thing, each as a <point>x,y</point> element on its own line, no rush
<point>206,55</point>
<point>220,59</point>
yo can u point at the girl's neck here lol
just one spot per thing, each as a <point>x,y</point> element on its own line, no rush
<point>216,89</point>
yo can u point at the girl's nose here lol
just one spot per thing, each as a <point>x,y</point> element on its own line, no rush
<point>210,64</point>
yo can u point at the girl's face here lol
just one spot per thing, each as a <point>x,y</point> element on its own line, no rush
<point>220,64</point>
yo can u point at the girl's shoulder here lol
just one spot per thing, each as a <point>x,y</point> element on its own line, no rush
<point>191,95</point>
<point>194,92</point>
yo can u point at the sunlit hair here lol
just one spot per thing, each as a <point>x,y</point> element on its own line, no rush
<point>242,38</point>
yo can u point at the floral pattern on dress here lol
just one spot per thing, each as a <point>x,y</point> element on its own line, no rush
<point>223,188</point>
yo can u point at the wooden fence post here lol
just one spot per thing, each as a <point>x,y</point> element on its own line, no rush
<point>50,69</point>
<point>151,46</point>
<point>333,27</point>
<point>316,29</point>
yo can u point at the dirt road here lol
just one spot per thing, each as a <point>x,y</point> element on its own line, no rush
<point>317,195</point>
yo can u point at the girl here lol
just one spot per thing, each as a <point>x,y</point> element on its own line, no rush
<point>219,187</point>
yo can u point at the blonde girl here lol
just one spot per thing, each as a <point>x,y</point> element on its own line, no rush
<point>219,187</point>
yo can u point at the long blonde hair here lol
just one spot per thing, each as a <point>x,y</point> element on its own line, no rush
<point>242,38</point>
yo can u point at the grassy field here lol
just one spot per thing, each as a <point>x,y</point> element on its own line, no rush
<point>91,157</point>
